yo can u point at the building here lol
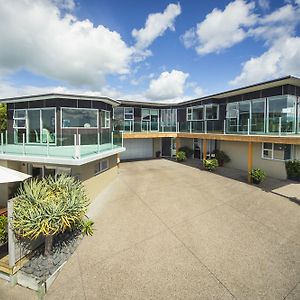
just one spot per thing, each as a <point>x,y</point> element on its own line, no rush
<point>257,126</point>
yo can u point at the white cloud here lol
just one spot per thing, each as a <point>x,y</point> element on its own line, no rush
<point>264,4</point>
<point>189,38</point>
<point>222,29</point>
<point>38,38</point>
<point>283,58</point>
<point>155,26</point>
<point>168,85</point>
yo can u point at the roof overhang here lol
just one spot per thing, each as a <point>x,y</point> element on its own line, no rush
<point>60,96</point>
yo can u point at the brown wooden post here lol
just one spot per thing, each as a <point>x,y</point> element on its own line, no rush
<point>204,149</point>
<point>250,160</point>
<point>177,144</point>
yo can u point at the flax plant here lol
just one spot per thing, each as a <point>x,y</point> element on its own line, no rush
<point>49,206</point>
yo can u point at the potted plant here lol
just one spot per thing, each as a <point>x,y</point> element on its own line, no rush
<point>188,151</point>
<point>157,154</point>
<point>210,164</point>
<point>293,169</point>
<point>222,157</point>
<point>180,156</point>
<point>257,175</point>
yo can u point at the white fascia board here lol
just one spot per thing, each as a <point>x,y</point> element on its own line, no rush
<point>61,161</point>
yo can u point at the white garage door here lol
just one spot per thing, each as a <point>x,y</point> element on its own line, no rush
<point>137,149</point>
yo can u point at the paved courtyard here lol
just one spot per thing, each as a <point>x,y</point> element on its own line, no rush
<point>171,231</point>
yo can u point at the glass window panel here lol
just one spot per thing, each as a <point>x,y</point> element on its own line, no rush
<point>20,123</point>
<point>119,113</point>
<point>197,113</point>
<point>48,123</point>
<point>128,110</point>
<point>86,118</point>
<point>19,113</point>
<point>244,115</point>
<point>211,112</point>
<point>258,115</point>
<point>146,114</point>
<point>282,113</point>
<point>34,121</point>
<point>232,111</point>
<point>282,151</point>
<point>128,117</point>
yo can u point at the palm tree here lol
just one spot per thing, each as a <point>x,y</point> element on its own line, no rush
<point>49,206</point>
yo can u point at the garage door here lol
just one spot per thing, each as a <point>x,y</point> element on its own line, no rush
<point>137,149</point>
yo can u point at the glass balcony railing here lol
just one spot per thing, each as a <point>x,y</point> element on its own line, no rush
<point>68,146</point>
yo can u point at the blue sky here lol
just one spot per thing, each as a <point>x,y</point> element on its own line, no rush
<point>155,50</point>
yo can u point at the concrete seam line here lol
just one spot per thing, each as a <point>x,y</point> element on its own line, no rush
<point>291,290</point>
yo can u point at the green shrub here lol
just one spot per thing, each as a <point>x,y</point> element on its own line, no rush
<point>222,157</point>
<point>188,151</point>
<point>180,156</point>
<point>293,169</point>
<point>48,207</point>
<point>3,229</point>
<point>257,175</point>
<point>210,164</point>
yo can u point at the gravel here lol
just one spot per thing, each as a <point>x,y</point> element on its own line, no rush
<point>64,246</point>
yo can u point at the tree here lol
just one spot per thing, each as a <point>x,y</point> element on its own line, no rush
<point>3,117</point>
<point>49,206</point>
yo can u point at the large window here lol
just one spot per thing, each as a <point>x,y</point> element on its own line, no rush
<point>196,113</point>
<point>150,119</point>
<point>282,114</point>
<point>258,115</point>
<point>79,118</point>
<point>168,117</point>
<point>276,151</point>
<point>211,112</point>
<point>105,119</point>
<point>244,115</point>
<point>35,125</point>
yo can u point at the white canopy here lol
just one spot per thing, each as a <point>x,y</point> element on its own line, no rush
<point>9,175</point>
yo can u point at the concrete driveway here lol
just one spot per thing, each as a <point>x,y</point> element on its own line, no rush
<point>169,231</point>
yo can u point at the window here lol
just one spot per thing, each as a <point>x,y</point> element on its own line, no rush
<point>276,151</point>
<point>197,114</point>
<point>282,113</point>
<point>105,119</point>
<point>128,114</point>
<point>19,119</point>
<point>189,114</point>
<point>258,115</point>
<point>79,118</point>
<point>168,117</point>
<point>101,166</point>
<point>212,112</point>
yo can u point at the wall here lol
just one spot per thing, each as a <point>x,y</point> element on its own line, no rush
<point>186,143</point>
<point>238,153</point>
<point>96,183</point>
<point>156,146</point>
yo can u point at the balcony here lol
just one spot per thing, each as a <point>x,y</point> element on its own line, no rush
<point>73,149</point>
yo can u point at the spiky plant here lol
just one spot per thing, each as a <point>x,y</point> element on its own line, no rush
<point>48,207</point>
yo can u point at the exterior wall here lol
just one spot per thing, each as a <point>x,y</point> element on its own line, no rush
<point>297,152</point>
<point>96,183</point>
<point>156,146</point>
<point>183,142</point>
<point>238,153</point>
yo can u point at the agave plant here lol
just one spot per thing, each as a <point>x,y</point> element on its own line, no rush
<point>48,207</point>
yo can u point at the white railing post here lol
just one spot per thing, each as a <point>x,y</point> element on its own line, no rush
<point>23,136</point>
<point>177,127</point>
<point>162,128</point>
<point>205,126</point>
<point>79,145</point>
<point>6,137</point>
<point>2,142</point>
<point>224,126</point>
<point>98,142</point>
<point>147,126</point>
<point>112,140</point>
<point>279,129</point>
<point>47,144</point>
<point>75,146</point>
<point>248,127</point>
<point>191,127</point>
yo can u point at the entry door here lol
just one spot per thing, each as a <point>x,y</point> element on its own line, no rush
<point>197,148</point>
<point>166,147</point>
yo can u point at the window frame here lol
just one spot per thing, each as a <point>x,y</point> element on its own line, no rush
<point>99,166</point>
<point>128,113</point>
<point>105,125</point>
<point>272,152</point>
<point>81,127</point>
<point>211,105</point>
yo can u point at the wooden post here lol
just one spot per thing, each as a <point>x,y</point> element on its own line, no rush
<point>250,161</point>
<point>204,149</point>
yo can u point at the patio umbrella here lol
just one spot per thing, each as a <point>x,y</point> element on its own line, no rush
<point>9,175</point>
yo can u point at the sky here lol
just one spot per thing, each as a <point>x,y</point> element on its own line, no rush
<point>145,49</point>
